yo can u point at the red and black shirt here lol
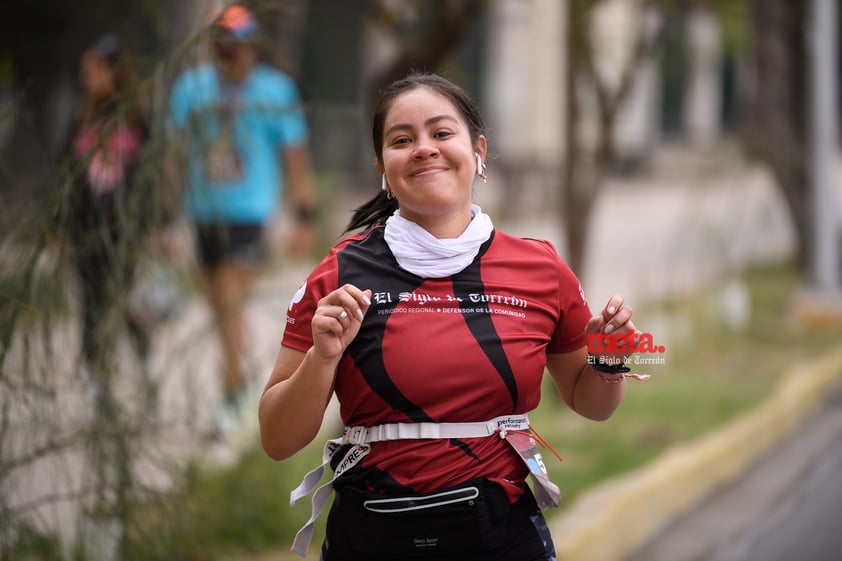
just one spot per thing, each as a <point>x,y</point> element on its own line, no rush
<point>469,347</point>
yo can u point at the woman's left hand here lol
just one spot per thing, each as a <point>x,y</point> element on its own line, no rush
<point>611,324</point>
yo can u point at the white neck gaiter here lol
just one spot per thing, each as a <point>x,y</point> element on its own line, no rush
<point>422,254</point>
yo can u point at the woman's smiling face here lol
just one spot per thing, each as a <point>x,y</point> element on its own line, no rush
<point>429,161</point>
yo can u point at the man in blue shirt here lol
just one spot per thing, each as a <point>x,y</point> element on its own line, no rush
<point>245,133</point>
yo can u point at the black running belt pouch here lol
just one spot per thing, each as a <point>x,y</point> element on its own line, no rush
<point>469,516</point>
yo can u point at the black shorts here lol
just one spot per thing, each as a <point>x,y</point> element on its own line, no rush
<point>482,527</point>
<point>218,243</point>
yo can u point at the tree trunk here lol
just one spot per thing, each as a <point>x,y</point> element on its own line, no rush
<point>577,193</point>
<point>776,129</point>
<point>582,179</point>
<point>451,21</point>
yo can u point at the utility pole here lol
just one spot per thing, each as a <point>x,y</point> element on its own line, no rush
<point>823,37</point>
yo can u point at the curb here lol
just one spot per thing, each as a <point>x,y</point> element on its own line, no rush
<point>619,516</point>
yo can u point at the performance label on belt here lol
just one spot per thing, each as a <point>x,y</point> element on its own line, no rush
<point>516,422</point>
<point>547,494</point>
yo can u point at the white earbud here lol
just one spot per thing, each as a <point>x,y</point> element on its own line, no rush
<point>481,168</point>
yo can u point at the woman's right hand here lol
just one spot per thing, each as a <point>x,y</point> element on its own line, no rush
<point>299,388</point>
<point>337,320</point>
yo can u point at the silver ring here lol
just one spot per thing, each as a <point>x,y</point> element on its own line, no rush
<point>342,316</point>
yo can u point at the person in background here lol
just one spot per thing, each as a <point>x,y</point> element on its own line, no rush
<point>245,137</point>
<point>104,215</point>
<point>434,329</point>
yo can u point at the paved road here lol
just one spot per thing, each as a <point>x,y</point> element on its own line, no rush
<point>786,507</point>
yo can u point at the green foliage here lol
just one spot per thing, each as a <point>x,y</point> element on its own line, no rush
<point>733,19</point>
<point>223,512</point>
<point>33,546</point>
<point>243,508</point>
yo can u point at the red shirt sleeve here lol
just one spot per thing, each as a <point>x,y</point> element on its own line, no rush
<point>323,280</point>
<point>569,333</point>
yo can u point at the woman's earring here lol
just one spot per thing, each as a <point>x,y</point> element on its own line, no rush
<point>481,169</point>
<point>383,186</point>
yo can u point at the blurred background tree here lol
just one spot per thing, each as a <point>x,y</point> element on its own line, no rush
<point>776,127</point>
<point>660,36</point>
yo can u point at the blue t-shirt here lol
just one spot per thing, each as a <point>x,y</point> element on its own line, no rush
<point>236,133</point>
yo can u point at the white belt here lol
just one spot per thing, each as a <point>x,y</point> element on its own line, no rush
<point>415,431</point>
<point>546,493</point>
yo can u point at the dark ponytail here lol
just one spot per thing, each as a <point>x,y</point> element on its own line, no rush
<point>372,213</point>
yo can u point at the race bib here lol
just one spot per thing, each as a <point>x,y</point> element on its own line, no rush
<point>224,163</point>
<point>547,494</point>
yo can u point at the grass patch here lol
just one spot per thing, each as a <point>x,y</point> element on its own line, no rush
<point>221,512</point>
<point>712,374</point>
